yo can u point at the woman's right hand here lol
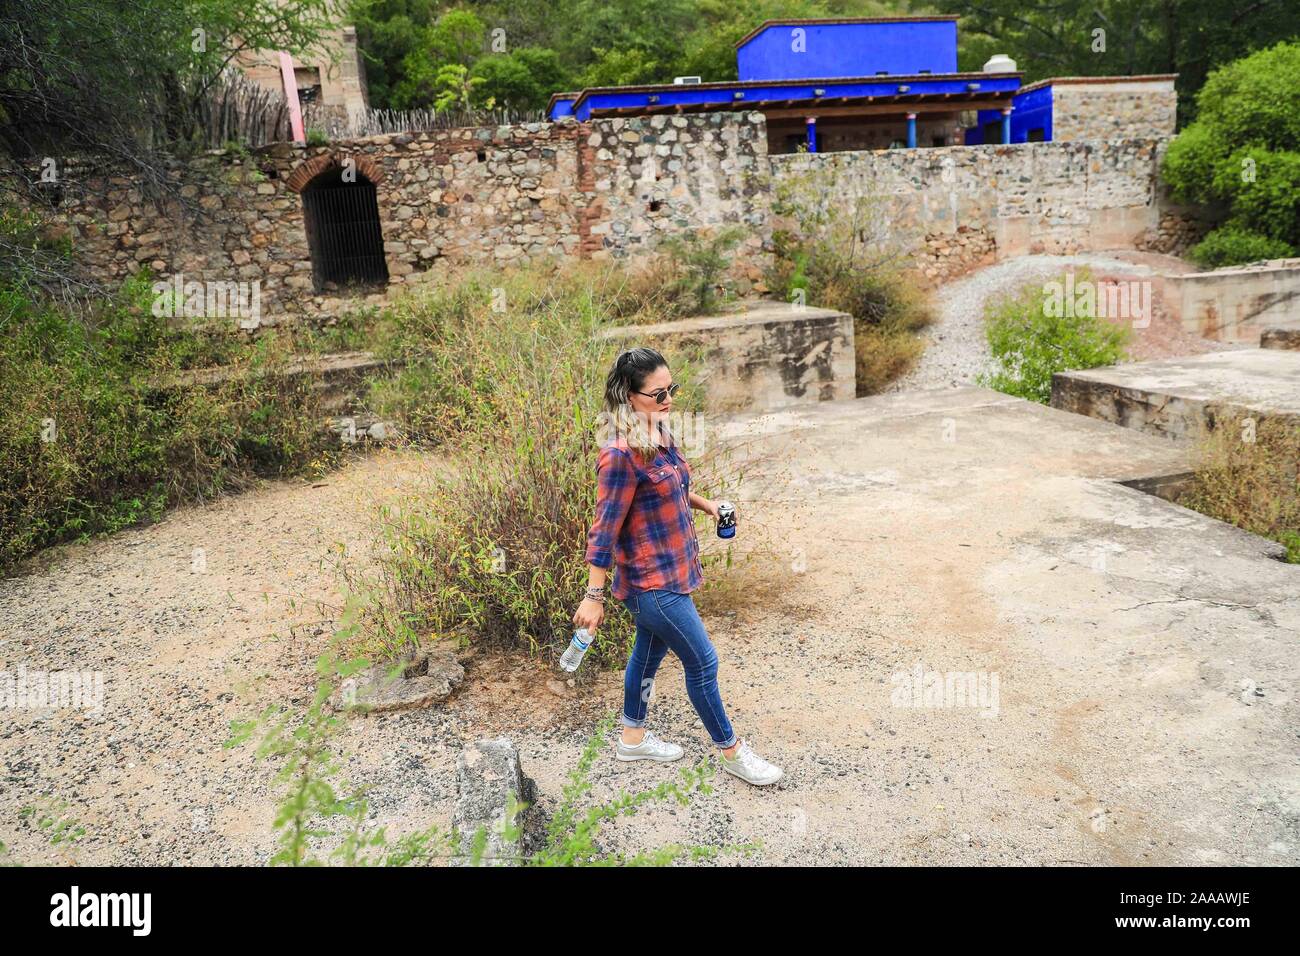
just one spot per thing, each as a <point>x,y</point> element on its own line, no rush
<point>590,614</point>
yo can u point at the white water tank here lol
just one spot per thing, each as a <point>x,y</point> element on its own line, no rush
<point>1000,63</point>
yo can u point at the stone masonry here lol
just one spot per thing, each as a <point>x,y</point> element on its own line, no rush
<point>1104,108</point>
<point>611,188</point>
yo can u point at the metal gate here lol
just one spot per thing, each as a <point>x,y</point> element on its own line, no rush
<point>347,246</point>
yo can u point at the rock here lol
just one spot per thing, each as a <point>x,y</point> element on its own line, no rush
<point>417,682</point>
<point>489,779</point>
<point>1280,339</point>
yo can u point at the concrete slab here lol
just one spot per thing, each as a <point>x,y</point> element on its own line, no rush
<point>1178,397</point>
<point>1147,657</point>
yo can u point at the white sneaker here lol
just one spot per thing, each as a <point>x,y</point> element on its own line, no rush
<point>650,748</point>
<point>750,767</point>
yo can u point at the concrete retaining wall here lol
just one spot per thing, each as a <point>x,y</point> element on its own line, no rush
<point>1181,398</point>
<point>1237,305</point>
<point>761,359</point>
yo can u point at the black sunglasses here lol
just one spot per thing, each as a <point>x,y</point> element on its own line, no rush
<point>660,394</point>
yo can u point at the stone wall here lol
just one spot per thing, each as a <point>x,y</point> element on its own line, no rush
<point>1099,108</point>
<point>608,189</point>
<point>662,175</point>
<point>450,196</point>
<point>1174,234</point>
<point>612,188</point>
<point>971,204</point>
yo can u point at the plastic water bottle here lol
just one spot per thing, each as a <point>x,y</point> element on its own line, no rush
<point>572,656</point>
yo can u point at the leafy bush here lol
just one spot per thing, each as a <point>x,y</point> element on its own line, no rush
<point>1029,343</point>
<point>1246,475</point>
<point>98,441</point>
<point>694,265</point>
<point>1228,246</point>
<point>1242,154</point>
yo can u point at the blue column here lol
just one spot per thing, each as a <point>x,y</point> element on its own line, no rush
<point>1006,127</point>
<point>911,131</point>
<point>812,134</point>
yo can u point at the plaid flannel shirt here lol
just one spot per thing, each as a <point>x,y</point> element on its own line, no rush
<point>643,522</point>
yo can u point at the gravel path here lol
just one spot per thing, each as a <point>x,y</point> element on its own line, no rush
<point>957,350</point>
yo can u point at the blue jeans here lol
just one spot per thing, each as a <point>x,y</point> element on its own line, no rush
<point>666,620</point>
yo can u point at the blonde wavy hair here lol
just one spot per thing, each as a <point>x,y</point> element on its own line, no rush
<point>631,369</point>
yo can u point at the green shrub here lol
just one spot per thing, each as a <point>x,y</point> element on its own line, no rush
<point>1029,343</point>
<point>839,254</point>
<point>887,305</point>
<point>1242,154</point>
<point>694,266</point>
<point>1232,246</point>
<point>97,441</point>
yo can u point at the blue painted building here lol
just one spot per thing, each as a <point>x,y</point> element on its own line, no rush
<point>1031,118</point>
<point>837,84</point>
<point>801,49</point>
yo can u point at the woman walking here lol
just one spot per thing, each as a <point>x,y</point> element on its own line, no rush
<point>644,528</point>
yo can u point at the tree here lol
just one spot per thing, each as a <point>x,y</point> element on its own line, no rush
<point>456,88</point>
<point>455,39</point>
<point>118,84</point>
<point>387,32</point>
<point>1242,154</point>
<point>122,79</point>
<point>1061,38</point>
<point>522,79</point>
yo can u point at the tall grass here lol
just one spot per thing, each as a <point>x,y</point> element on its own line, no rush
<point>1248,474</point>
<point>508,370</point>
<point>96,439</point>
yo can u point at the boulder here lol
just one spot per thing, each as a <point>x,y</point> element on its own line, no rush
<point>1280,339</point>
<point>420,681</point>
<point>489,780</point>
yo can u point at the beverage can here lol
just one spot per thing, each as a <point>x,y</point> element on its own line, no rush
<point>726,519</point>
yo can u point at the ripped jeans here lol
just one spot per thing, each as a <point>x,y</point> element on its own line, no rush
<point>667,620</point>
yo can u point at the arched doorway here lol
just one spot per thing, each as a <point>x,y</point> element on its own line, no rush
<point>341,212</point>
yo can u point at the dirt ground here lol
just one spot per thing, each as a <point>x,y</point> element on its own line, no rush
<point>1121,734</point>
